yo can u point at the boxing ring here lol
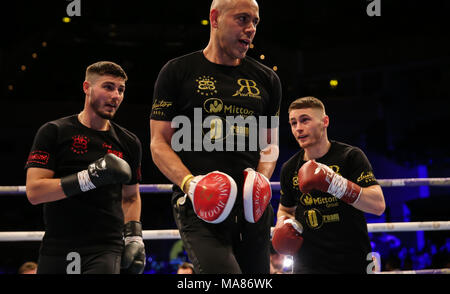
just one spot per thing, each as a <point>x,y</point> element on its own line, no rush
<point>173,234</point>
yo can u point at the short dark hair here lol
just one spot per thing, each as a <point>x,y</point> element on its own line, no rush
<point>27,266</point>
<point>306,102</point>
<point>106,68</point>
<point>186,265</point>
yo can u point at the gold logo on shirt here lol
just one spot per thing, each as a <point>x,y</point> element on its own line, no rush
<point>315,219</point>
<point>158,104</point>
<point>307,200</point>
<point>216,105</point>
<point>248,89</point>
<point>295,182</point>
<point>213,105</point>
<point>366,177</point>
<point>206,86</point>
<point>335,168</point>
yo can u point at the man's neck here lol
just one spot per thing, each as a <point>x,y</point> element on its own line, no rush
<point>93,121</point>
<point>317,151</point>
<point>215,54</point>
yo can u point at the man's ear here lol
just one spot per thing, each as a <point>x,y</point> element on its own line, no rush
<point>86,86</point>
<point>326,121</point>
<point>213,18</point>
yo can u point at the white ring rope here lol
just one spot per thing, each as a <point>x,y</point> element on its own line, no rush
<point>174,234</point>
<point>439,271</point>
<point>167,188</point>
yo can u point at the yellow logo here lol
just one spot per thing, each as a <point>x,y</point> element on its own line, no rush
<point>206,86</point>
<point>213,105</point>
<point>248,89</point>
<point>367,177</point>
<point>306,199</point>
<point>315,220</point>
<point>335,168</point>
<point>158,104</point>
<point>295,182</point>
<point>216,105</point>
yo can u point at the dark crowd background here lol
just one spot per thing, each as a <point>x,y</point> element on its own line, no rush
<point>392,98</point>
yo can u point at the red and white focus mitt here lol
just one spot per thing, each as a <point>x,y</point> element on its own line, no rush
<point>257,194</point>
<point>317,176</point>
<point>286,237</point>
<point>212,196</point>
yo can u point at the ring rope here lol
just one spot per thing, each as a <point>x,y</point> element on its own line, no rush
<point>174,234</point>
<point>167,188</point>
<point>439,271</point>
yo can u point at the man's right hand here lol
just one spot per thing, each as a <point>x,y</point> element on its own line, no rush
<point>212,196</point>
<point>287,236</point>
<point>317,176</point>
<point>110,169</point>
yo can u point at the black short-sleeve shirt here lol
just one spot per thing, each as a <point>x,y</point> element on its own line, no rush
<point>335,233</point>
<point>191,84</point>
<point>92,219</point>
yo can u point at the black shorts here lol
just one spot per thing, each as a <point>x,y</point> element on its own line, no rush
<point>105,262</point>
<point>232,247</point>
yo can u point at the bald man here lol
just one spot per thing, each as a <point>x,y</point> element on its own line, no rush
<point>224,226</point>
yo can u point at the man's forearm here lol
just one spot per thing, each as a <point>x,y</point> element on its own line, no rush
<point>371,200</point>
<point>169,163</point>
<point>131,207</point>
<point>281,213</point>
<point>44,190</point>
<point>266,168</point>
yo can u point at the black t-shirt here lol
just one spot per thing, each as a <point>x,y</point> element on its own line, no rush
<point>94,219</point>
<point>192,83</point>
<point>335,233</point>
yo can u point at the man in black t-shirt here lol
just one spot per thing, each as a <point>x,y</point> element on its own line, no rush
<point>325,189</point>
<point>214,135</point>
<point>85,169</point>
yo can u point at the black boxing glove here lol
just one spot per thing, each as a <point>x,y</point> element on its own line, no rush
<point>133,255</point>
<point>110,169</point>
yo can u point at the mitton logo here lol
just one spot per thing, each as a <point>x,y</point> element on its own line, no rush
<point>213,105</point>
<point>306,199</point>
<point>79,145</point>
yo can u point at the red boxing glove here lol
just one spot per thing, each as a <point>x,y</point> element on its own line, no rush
<point>317,176</point>
<point>257,194</point>
<point>287,238</point>
<point>213,196</point>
